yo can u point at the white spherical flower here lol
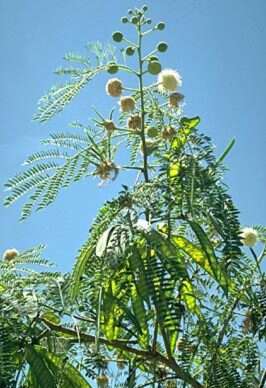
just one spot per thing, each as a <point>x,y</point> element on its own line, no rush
<point>10,254</point>
<point>248,236</point>
<point>114,87</point>
<point>142,225</point>
<point>169,80</point>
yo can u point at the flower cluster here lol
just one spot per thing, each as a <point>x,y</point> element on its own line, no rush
<point>249,236</point>
<point>10,254</point>
<point>169,80</point>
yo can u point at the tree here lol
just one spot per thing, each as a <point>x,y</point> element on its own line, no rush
<point>163,292</point>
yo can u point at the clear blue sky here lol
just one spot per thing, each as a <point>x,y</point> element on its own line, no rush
<point>218,47</point>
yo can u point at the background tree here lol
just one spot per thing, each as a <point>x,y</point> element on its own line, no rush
<point>162,293</point>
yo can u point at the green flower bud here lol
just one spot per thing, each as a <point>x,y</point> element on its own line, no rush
<point>160,26</point>
<point>154,67</point>
<point>145,8</point>
<point>152,132</point>
<point>148,21</point>
<point>130,50</point>
<point>134,20</point>
<point>124,19</point>
<point>117,36</point>
<point>130,11</point>
<point>153,58</point>
<point>162,47</point>
<point>112,68</point>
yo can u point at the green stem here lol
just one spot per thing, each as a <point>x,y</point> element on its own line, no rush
<point>145,157</point>
<point>98,320</point>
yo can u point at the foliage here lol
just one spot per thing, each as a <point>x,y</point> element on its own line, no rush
<point>162,293</point>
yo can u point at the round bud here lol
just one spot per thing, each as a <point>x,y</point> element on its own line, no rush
<point>130,50</point>
<point>162,47</point>
<point>112,68</point>
<point>148,21</point>
<point>124,19</point>
<point>160,26</point>
<point>152,132</point>
<point>134,20</point>
<point>117,36</point>
<point>130,11</point>
<point>154,67</point>
<point>145,8</point>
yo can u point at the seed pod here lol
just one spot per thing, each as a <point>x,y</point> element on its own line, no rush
<point>154,67</point>
<point>168,133</point>
<point>162,47</point>
<point>117,36</point>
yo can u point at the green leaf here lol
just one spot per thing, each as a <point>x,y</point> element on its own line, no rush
<point>70,377</point>
<point>201,257</point>
<point>226,152</point>
<point>189,298</point>
<point>206,245</point>
<point>103,241</point>
<point>52,317</point>
<point>42,373</point>
<point>190,123</point>
<point>140,313</point>
<point>79,269</point>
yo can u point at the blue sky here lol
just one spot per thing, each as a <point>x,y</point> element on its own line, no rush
<point>217,46</point>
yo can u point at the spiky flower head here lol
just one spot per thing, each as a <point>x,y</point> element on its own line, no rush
<point>127,104</point>
<point>134,122</point>
<point>168,133</point>
<point>175,99</point>
<point>114,87</point>
<point>10,254</point>
<point>248,236</point>
<point>109,126</point>
<point>106,170</point>
<point>169,80</point>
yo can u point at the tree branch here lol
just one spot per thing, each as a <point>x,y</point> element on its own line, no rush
<point>122,344</point>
